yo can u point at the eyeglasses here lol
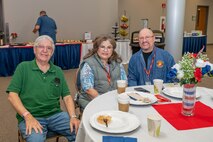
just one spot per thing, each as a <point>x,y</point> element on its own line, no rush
<point>108,48</point>
<point>48,48</point>
<point>146,37</point>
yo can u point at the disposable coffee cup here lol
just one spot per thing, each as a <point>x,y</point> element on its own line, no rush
<point>154,124</point>
<point>158,86</point>
<point>123,102</point>
<point>121,86</point>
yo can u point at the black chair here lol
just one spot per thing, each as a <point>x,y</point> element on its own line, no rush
<point>159,38</point>
<point>78,92</point>
<point>134,43</point>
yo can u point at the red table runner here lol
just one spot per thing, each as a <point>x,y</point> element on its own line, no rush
<point>172,113</point>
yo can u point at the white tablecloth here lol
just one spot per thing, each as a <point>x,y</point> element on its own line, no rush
<point>168,133</point>
<point>123,49</point>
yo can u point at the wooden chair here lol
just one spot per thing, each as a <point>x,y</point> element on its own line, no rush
<point>21,139</point>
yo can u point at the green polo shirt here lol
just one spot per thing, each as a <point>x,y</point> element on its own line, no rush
<point>39,92</point>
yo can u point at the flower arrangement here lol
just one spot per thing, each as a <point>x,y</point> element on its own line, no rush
<point>191,69</point>
<point>14,35</point>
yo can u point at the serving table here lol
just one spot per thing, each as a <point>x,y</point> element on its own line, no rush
<point>108,101</point>
<point>66,56</point>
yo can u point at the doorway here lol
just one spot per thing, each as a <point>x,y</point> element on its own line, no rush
<point>202,19</point>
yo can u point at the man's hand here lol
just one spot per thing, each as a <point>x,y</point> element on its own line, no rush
<point>34,30</point>
<point>74,123</point>
<point>32,123</point>
<point>37,27</point>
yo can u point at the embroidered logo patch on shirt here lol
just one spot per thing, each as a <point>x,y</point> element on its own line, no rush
<point>160,64</point>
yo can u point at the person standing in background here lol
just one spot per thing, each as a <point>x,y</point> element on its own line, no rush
<point>46,26</point>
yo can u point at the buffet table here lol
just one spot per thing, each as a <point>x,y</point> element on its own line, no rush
<point>123,49</point>
<point>193,44</point>
<point>108,102</point>
<point>66,56</point>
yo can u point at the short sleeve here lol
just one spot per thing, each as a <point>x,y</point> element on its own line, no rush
<point>86,77</point>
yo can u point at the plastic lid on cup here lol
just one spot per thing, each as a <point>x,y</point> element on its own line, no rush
<point>121,83</point>
<point>123,98</point>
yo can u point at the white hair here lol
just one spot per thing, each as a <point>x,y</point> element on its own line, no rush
<point>43,37</point>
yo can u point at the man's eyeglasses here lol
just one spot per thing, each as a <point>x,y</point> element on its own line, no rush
<point>49,48</point>
<point>146,37</point>
<point>109,48</point>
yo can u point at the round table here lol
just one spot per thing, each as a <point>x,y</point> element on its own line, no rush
<point>108,101</point>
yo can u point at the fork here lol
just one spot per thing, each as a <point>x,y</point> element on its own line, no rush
<point>106,122</point>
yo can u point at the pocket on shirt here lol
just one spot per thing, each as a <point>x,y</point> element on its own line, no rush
<point>55,88</point>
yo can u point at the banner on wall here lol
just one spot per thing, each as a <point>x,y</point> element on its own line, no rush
<point>163,23</point>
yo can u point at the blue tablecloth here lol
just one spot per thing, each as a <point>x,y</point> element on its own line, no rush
<point>193,44</point>
<point>66,56</point>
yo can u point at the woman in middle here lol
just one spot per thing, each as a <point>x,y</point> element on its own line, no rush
<point>100,70</point>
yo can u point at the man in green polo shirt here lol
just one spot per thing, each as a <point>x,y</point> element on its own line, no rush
<point>35,91</point>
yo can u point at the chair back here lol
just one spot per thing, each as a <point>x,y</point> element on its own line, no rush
<point>77,80</point>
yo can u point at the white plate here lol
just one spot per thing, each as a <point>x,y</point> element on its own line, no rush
<point>152,98</point>
<point>177,92</point>
<point>121,122</point>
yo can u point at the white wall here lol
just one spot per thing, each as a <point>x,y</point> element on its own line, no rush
<point>151,9</point>
<point>73,17</point>
<point>191,10</point>
<point>142,9</point>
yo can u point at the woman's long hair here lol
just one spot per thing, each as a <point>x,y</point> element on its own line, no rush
<point>98,40</point>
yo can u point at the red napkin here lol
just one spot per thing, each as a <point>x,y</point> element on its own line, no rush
<point>172,113</point>
<point>162,99</point>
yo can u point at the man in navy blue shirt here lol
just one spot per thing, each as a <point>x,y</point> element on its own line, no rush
<point>149,62</point>
<point>46,26</point>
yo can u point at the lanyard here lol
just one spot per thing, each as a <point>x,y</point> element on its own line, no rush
<point>107,71</point>
<point>151,65</point>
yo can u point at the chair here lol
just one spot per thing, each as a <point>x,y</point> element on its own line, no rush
<point>159,38</point>
<point>21,139</point>
<point>78,89</point>
<point>134,42</point>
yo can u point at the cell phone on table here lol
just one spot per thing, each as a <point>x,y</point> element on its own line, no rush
<point>140,89</point>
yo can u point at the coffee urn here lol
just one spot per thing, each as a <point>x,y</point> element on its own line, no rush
<point>1,38</point>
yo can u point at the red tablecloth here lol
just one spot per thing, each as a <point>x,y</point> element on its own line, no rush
<point>172,113</point>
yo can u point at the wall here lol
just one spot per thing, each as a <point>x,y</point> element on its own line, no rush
<point>73,17</point>
<point>142,9</point>
<point>191,10</point>
<point>151,9</point>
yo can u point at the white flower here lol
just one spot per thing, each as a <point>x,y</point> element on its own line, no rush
<point>180,74</point>
<point>200,63</point>
<point>177,67</point>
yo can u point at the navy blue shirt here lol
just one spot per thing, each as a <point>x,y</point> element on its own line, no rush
<point>47,26</point>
